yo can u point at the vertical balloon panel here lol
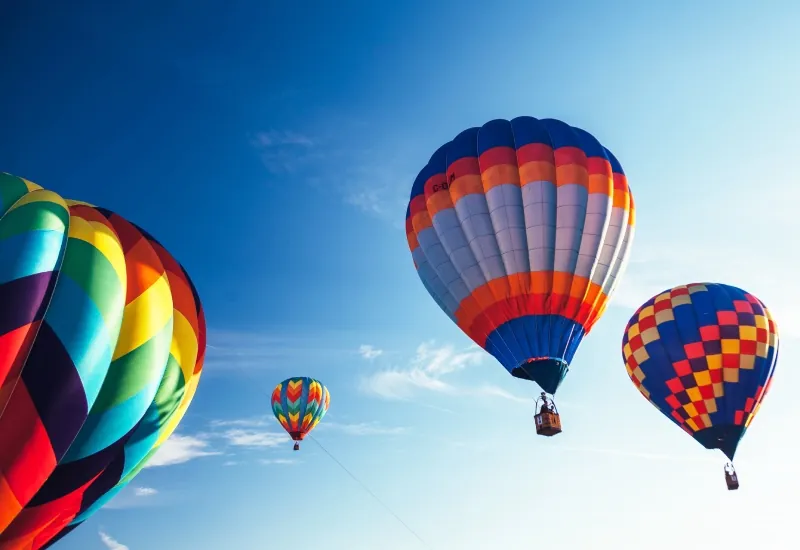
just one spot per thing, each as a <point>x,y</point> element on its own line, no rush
<point>67,363</point>
<point>33,236</point>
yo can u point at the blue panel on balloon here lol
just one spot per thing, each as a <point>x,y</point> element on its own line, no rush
<point>537,347</point>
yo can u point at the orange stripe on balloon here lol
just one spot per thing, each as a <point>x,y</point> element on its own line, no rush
<point>631,211</point>
<point>550,293</point>
<point>622,195</point>
<point>499,174</point>
<point>413,241</point>
<point>422,221</point>
<point>439,201</point>
<point>468,184</point>
<point>572,174</point>
<point>537,171</point>
<point>601,178</point>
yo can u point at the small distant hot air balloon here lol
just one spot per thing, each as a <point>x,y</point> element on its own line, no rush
<point>704,354</point>
<point>519,230</point>
<point>102,340</point>
<point>299,404</point>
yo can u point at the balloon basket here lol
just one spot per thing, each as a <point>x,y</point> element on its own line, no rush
<point>548,421</point>
<point>296,446</point>
<point>731,479</point>
<point>548,424</point>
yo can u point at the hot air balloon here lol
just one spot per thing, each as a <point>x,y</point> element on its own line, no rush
<point>299,404</point>
<point>102,340</point>
<point>704,354</point>
<point>519,230</point>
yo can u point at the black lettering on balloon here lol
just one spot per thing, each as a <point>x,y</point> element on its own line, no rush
<point>440,186</point>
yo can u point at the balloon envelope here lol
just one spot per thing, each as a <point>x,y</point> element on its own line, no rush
<point>519,230</point>
<point>102,339</point>
<point>299,404</point>
<point>703,354</point>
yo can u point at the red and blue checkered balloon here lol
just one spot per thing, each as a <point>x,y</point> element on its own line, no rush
<point>704,355</point>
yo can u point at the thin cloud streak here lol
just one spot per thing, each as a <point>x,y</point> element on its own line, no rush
<point>274,138</point>
<point>362,429</point>
<point>427,371</point>
<point>179,449</point>
<point>278,461</point>
<point>255,422</point>
<point>145,492</point>
<point>369,187</point>
<point>369,352</point>
<point>111,543</point>
<point>239,437</point>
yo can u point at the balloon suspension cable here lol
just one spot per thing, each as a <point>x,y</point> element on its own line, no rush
<point>373,495</point>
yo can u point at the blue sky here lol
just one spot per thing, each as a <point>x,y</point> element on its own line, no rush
<point>271,147</point>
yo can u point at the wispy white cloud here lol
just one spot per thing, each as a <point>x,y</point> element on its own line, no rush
<point>145,491</point>
<point>111,543</point>
<point>363,428</point>
<point>273,138</point>
<point>427,371</point>
<point>277,461</point>
<point>424,372</point>
<point>373,189</point>
<point>283,151</point>
<point>369,352</point>
<point>254,422</point>
<point>364,177</point>
<point>495,391</point>
<point>139,497</point>
<point>179,449</point>
<point>240,437</point>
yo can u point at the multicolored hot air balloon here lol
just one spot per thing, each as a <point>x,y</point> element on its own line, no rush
<point>704,354</point>
<point>102,341</point>
<point>519,230</point>
<point>299,404</point>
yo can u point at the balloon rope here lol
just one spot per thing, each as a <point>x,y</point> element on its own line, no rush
<point>373,495</point>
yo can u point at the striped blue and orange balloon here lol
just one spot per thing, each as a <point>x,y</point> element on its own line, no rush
<point>520,230</point>
<point>102,339</point>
